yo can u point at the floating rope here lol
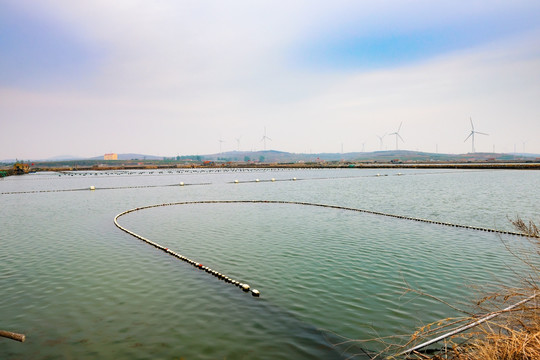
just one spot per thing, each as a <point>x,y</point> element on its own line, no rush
<point>230,182</point>
<point>478,228</point>
<point>103,188</point>
<point>245,286</point>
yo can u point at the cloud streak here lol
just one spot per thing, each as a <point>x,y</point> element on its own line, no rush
<point>171,78</point>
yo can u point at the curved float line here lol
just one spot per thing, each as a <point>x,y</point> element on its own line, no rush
<point>244,286</point>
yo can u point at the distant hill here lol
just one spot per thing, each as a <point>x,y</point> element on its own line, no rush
<point>270,156</point>
<point>132,157</point>
<point>54,158</point>
<point>63,158</point>
<point>274,156</point>
<point>75,158</point>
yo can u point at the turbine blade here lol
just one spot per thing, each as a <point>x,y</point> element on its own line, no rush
<point>467,138</point>
<point>399,128</point>
<point>472,125</point>
<point>399,136</point>
<point>478,132</point>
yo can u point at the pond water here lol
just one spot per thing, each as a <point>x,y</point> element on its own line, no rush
<point>80,288</point>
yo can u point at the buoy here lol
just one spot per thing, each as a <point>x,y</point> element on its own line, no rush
<point>255,292</point>
<point>245,287</point>
<point>92,187</point>
<point>256,180</point>
<point>273,179</point>
<point>236,181</point>
<point>294,179</point>
<point>181,183</point>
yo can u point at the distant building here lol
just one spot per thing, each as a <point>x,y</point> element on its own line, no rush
<point>111,156</point>
<point>21,168</point>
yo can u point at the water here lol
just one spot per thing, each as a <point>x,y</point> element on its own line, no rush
<point>80,288</point>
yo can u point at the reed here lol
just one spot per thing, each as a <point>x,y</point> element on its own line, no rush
<point>511,334</point>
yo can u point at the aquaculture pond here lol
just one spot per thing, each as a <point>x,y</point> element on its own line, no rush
<point>331,279</point>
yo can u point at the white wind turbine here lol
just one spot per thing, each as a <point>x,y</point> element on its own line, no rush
<point>221,141</point>
<point>397,135</point>
<point>264,138</point>
<point>238,143</point>
<point>471,135</point>
<point>381,139</point>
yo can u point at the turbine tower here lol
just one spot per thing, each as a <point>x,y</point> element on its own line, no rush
<point>397,135</point>
<point>264,138</point>
<point>220,142</point>
<point>471,135</point>
<point>380,139</point>
<point>238,143</point>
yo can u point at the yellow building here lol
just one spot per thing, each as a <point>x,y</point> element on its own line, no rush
<point>111,156</point>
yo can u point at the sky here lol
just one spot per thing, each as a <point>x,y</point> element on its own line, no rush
<point>174,77</point>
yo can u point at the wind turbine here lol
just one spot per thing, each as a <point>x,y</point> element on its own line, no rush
<point>471,135</point>
<point>264,138</point>
<point>220,142</point>
<point>380,139</point>
<point>397,135</point>
<point>238,142</point>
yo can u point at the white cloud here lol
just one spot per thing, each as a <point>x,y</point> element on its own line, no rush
<point>177,76</point>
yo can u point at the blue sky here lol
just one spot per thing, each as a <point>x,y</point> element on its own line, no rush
<point>174,77</point>
<point>38,52</point>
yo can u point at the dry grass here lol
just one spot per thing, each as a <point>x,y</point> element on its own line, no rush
<point>529,228</point>
<point>511,335</point>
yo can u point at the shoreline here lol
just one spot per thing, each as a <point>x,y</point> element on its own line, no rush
<point>111,167</point>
